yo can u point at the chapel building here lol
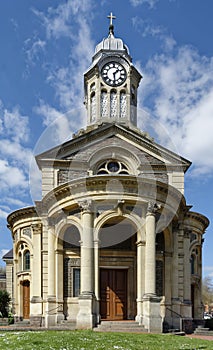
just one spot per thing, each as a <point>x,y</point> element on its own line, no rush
<point>112,237</point>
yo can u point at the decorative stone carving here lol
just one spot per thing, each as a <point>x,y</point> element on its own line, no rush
<point>63,176</point>
<point>187,233</point>
<point>27,232</point>
<point>36,228</point>
<point>86,205</point>
<point>153,207</point>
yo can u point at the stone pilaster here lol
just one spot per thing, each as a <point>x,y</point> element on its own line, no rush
<point>175,319</point>
<point>86,315</point>
<point>187,276</point>
<point>59,285</point>
<point>152,320</point>
<point>96,279</point>
<point>36,308</point>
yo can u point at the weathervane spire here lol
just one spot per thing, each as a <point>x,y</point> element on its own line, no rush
<point>111,27</point>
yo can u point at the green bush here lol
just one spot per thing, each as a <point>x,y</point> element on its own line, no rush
<point>4,303</point>
<point>10,318</point>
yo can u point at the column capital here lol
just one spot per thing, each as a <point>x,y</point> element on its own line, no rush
<point>187,233</point>
<point>36,228</point>
<point>152,208</point>
<point>51,222</point>
<point>86,205</point>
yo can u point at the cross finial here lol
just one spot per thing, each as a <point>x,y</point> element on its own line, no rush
<point>111,27</point>
<point>111,17</point>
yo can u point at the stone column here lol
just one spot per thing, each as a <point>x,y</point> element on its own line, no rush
<point>140,280</point>
<point>86,316</point>
<point>59,284</point>
<point>51,297</point>
<point>187,276</point>
<point>36,309</point>
<point>150,258</point>
<point>152,320</point>
<point>16,290</point>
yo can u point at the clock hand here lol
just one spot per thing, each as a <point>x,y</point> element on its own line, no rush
<point>114,74</point>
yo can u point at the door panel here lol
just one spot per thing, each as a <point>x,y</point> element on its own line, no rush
<point>26,299</point>
<point>113,294</point>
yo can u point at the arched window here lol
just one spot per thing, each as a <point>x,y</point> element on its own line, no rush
<point>113,167</point>
<point>26,260</point>
<point>123,104</point>
<point>104,104</point>
<point>113,104</point>
<point>192,264</point>
<point>93,106</point>
<point>20,261</point>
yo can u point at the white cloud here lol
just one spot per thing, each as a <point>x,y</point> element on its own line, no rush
<point>14,158</point>
<point>16,152</point>
<point>68,81</point>
<point>14,125</point>
<point>11,176</point>
<point>147,28</point>
<point>36,47</point>
<point>3,214</point>
<point>58,20</point>
<point>151,3</point>
<point>15,202</point>
<point>180,86</point>
<point>208,271</point>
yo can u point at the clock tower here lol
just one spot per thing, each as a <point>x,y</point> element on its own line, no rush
<point>111,83</point>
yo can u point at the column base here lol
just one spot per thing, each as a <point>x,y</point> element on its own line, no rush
<point>51,311</point>
<point>152,319</point>
<point>37,320</point>
<point>36,305</point>
<point>139,316</point>
<point>86,318</point>
<point>186,309</point>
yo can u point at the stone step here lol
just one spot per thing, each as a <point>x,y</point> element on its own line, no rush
<point>120,326</point>
<point>203,331</point>
<point>67,324</point>
<point>22,323</point>
<point>3,321</point>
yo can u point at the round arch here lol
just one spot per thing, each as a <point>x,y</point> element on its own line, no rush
<point>63,226</point>
<point>108,216</point>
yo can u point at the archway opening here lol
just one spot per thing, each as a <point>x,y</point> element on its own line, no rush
<point>71,269</point>
<point>118,265</point>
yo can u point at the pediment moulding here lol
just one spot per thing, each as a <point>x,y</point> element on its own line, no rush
<point>139,139</point>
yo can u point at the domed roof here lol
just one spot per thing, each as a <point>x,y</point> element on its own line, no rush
<point>111,44</point>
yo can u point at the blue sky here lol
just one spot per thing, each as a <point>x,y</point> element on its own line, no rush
<point>46,46</point>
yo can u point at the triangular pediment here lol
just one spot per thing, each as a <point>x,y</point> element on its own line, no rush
<point>109,136</point>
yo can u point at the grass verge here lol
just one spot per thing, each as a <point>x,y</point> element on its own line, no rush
<point>89,340</point>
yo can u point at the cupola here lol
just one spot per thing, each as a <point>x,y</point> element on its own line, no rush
<point>111,83</point>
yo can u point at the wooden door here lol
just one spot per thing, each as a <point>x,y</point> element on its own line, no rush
<point>26,299</point>
<point>113,294</point>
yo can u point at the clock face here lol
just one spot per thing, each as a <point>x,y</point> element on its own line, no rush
<point>113,73</point>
